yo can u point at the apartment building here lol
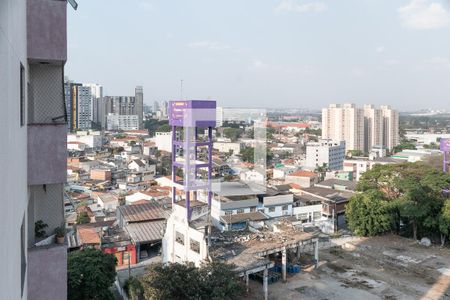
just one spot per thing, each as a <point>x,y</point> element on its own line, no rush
<point>361,128</point>
<point>344,123</point>
<point>122,122</point>
<point>33,51</point>
<point>391,137</point>
<point>325,152</point>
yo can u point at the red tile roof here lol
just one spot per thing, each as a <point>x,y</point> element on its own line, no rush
<point>302,173</point>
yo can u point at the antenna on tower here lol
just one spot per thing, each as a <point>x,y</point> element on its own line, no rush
<point>181,90</point>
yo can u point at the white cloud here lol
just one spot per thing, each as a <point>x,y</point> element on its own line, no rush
<point>258,64</point>
<point>210,45</point>
<point>392,62</point>
<point>424,14</point>
<point>380,49</point>
<point>295,6</point>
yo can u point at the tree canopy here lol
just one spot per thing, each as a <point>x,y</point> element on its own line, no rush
<point>409,195</point>
<point>90,274</point>
<point>184,281</point>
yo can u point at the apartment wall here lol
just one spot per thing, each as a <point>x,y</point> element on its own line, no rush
<point>13,151</point>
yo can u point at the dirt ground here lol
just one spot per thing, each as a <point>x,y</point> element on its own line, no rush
<point>386,267</point>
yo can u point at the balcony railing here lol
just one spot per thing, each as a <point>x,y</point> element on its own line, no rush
<point>47,272</point>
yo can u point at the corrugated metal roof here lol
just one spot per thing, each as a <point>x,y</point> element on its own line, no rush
<point>146,231</point>
<point>142,212</point>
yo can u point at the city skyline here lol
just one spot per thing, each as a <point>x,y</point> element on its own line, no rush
<point>296,54</point>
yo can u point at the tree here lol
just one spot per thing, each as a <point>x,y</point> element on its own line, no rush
<point>368,214</point>
<point>322,170</point>
<point>83,218</point>
<point>164,128</point>
<point>232,133</point>
<point>90,274</point>
<point>184,281</point>
<point>248,154</point>
<point>134,289</point>
<point>444,222</point>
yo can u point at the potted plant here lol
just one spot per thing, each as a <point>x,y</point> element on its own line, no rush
<point>60,233</point>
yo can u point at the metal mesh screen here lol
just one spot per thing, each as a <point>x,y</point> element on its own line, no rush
<point>46,95</point>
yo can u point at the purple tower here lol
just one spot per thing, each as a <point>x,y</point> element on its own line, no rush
<point>192,122</point>
<point>445,148</point>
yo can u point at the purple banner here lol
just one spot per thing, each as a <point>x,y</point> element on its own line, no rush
<point>445,145</point>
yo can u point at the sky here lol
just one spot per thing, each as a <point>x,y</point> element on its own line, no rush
<point>261,53</point>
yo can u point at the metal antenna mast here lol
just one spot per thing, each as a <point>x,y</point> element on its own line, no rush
<point>181,89</point>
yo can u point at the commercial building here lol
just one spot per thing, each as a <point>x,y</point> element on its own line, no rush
<point>361,128</point>
<point>78,99</point>
<point>325,152</point>
<point>33,51</point>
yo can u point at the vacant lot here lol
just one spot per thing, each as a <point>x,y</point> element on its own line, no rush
<point>386,267</point>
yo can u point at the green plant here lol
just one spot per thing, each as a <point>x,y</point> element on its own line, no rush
<point>39,229</point>
<point>60,231</point>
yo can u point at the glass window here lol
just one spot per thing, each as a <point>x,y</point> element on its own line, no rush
<point>179,238</point>
<point>271,209</point>
<point>240,211</point>
<point>194,245</point>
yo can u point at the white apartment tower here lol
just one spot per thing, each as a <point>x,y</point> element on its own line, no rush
<point>361,129</point>
<point>33,155</point>
<point>373,127</point>
<point>344,123</point>
<point>390,126</point>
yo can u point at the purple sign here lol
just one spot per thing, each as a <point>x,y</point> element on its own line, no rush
<point>191,113</point>
<point>445,145</point>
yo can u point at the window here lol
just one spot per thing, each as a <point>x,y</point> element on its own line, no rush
<point>23,264</point>
<point>22,95</point>
<point>253,209</point>
<point>271,209</point>
<point>194,245</point>
<point>240,211</point>
<point>228,212</point>
<point>179,238</point>
<point>285,207</point>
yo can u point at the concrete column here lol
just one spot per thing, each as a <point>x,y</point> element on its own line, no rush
<point>298,252</point>
<point>283,264</point>
<point>266,284</point>
<point>316,252</point>
<point>246,282</point>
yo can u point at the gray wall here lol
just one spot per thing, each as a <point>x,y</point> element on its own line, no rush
<point>13,151</point>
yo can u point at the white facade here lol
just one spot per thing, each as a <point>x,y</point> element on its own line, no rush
<point>226,147</point>
<point>91,139</point>
<point>122,122</point>
<point>427,138</point>
<point>391,136</point>
<point>361,129</point>
<point>163,141</point>
<point>84,107</point>
<point>181,242</point>
<point>325,152</point>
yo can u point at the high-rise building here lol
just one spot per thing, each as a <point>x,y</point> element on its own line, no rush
<point>361,129</point>
<point>139,111</point>
<point>97,103</point>
<point>81,107</point>
<point>391,135</point>
<point>373,128</point>
<point>33,156</point>
<point>344,123</point>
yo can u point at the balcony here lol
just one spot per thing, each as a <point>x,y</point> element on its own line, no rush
<point>46,31</point>
<point>47,272</point>
<point>47,153</point>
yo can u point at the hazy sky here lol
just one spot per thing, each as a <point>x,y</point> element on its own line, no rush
<point>284,53</point>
